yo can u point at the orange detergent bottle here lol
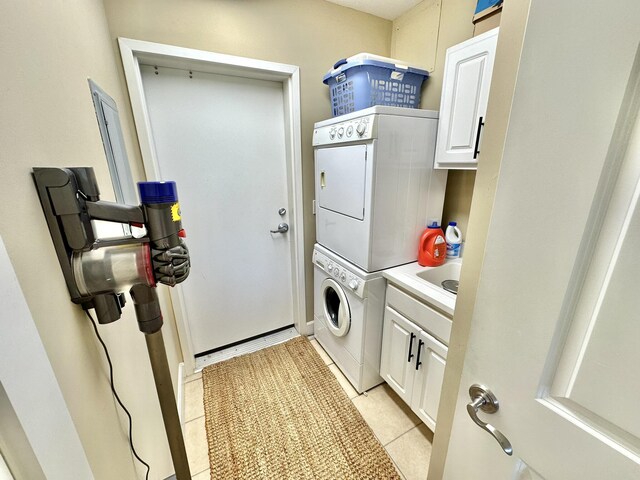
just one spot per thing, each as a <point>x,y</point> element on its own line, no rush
<point>432,250</point>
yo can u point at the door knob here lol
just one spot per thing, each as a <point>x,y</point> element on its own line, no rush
<point>482,398</point>
<point>282,228</point>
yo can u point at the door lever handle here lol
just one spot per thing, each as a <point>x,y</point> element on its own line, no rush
<point>282,228</point>
<point>482,398</point>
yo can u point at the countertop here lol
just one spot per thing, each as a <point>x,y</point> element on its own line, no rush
<point>405,277</point>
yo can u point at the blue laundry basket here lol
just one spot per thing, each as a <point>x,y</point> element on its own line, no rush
<point>365,80</point>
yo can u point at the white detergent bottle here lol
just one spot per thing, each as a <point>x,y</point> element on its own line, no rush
<point>453,236</point>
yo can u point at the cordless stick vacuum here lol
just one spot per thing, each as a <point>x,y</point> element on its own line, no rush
<point>98,271</point>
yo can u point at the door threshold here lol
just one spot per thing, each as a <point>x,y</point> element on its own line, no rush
<point>246,347</point>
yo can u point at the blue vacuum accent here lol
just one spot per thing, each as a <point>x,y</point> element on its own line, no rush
<point>157,192</point>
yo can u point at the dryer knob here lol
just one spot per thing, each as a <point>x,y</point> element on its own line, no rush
<point>343,277</point>
<point>353,284</point>
<point>361,128</point>
<point>349,130</point>
<point>329,267</point>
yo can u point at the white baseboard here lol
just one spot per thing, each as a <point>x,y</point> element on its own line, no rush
<point>246,347</point>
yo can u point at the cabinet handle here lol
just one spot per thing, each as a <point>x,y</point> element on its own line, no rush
<point>418,362</point>
<point>475,149</point>
<point>411,355</point>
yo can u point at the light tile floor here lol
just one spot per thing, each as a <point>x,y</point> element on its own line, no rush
<point>406,439</point>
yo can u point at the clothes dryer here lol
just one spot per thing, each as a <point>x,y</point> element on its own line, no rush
<point>348,312</point>
<point>375,184</point>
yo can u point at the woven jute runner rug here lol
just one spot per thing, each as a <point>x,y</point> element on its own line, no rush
<point>280,414</point>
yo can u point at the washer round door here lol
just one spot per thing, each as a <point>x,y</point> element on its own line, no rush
<point>337,313</point>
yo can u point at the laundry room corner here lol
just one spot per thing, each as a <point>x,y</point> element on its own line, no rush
<point>264,31</point>
<point>423,35</point>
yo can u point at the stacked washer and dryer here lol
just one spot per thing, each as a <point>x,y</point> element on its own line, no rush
<point>375,190</point>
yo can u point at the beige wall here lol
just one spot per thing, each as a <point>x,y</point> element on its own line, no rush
<point>48,50</point>
<point>423,35</point>
<point>460,183</point>
<point>414,36</point>
<point>312,34</point>
<point>488,23</point>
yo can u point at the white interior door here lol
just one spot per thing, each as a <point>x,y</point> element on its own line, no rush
<point>555,332</point>
<point>222,139</point>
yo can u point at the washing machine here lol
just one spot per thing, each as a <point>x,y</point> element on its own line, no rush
<point>348,312</point>
<point>375,184</point>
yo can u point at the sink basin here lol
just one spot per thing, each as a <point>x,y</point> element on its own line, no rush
<point>437,275</point>
<point>425,283</point>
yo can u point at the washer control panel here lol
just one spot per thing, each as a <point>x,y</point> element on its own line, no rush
<point>339,273</point>
<point>362,128</point>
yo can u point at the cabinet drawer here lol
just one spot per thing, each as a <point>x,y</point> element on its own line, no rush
<point>425,317</point>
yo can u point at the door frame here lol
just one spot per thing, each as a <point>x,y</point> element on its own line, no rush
<point>133,53</point>
<point>513,25</point>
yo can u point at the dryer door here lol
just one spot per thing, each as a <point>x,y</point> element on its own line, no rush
<point>337,314</point>
<point>341,178</point>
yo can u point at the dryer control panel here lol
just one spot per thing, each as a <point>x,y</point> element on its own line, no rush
<point>339,273</point>
<point>352,130</point>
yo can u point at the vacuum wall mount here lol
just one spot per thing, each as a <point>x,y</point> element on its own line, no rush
<point>98,272</point>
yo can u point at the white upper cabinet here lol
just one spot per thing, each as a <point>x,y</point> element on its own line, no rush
<point>463,106</point>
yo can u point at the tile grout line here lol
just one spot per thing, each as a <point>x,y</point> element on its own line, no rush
<point>402,475</point>
<point>193,419</point>
<point>192,380</point>
<point>202,471</point>
<point>401,435</point>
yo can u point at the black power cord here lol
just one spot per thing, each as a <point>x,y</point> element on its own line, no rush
<point>117,397</point>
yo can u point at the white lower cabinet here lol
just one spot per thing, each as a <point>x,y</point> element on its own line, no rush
<point>397,363</point>
<point>427,384</point>
<point>413,360</point>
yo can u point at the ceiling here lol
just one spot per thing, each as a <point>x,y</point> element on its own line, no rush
<point>389,9</point>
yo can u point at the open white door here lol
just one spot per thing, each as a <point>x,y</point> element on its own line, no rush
<point>555,328</point>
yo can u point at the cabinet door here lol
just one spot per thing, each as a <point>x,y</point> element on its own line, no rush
<point>463,105</point>
<point>427,385</point>
<point>399,344</point>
